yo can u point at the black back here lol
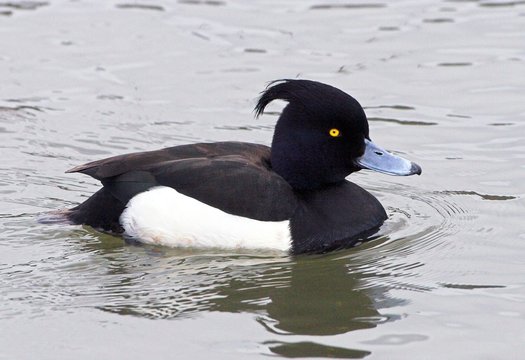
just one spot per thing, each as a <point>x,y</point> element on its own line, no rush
<point>231,176</point>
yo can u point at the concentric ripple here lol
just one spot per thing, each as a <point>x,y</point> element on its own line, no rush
<point>82,268</point>
<point>90,269</point>
<point>422,225</point>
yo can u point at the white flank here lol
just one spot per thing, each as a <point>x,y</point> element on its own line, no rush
<point>163,216</point>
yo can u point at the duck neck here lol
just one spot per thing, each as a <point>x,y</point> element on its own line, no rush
<point>294,171</point>
<point>293,156</point>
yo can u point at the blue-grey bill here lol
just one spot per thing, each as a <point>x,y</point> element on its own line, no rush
<point>378,159</point>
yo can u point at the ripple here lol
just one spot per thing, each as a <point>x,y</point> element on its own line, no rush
<point>245,127</point>
<point>438,20</point>
<point>394,107</point>
<point>483,196</point>
<point>452,64</point>
<point>81,268</point>
<point>470,286</point>
<point>397,339</point>
<point>140,7</point>
<point>203,2</point>
<point>402,122</point>
<point>420,223</point>
<point>347,6</point>
<point>90,269</point>
<point>24,5</point>
<point>501,3</point>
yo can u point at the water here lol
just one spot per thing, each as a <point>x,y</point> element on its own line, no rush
<point>442,82</point>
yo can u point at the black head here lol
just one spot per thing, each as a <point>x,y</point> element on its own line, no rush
<point>319,135</point>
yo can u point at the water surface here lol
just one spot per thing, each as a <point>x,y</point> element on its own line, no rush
<point>442,83</point>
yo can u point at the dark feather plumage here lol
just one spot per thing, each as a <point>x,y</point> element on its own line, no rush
<point>302,178</point>
<point>231,176</point>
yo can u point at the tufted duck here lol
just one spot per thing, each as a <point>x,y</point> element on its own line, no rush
<point>292,197</point>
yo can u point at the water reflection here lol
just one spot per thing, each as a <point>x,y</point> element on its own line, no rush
<point>305,296</point>
<point>316,297</point>
<point>307,349</point>
<point>308,295</point>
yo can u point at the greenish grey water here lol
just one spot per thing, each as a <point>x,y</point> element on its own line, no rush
<point>442,82</point>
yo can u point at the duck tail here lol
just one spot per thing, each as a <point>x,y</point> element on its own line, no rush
<point>55,217</point>
<point>100,211</point>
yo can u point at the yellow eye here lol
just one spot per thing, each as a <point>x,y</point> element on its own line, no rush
<point>334,132</point>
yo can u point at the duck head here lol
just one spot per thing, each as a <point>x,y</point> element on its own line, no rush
<point>322,136</point>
